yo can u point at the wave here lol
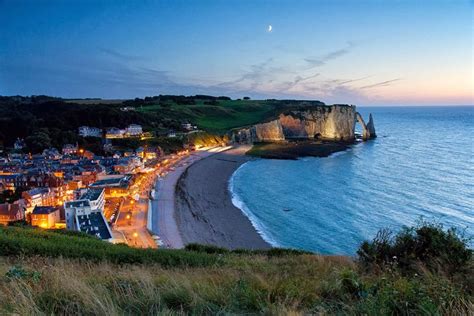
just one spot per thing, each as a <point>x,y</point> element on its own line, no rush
<point>237,202</point>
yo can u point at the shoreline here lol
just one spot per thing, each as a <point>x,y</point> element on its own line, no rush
<point>163,208</point>
<point>204,210</point>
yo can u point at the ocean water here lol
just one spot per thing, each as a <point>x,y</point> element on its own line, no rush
<point>420,166</point>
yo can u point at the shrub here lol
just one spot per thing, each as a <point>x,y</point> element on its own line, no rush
<point>206,248</point>
<point>426,244</point>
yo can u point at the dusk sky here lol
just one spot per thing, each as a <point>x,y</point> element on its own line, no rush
<point>358,52</point>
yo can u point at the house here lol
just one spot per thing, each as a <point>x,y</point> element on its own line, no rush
<point>114,133</point>
<point>171,134</point>
<point>115,186</point>
<point>11,213</point>
<point>140,152</point>
<point>39,197</point>
<point>19,144</point>
<point>134,130</point>
<point>87,131</point>
<point>86,214</point>
<point>69,149</point>
<point>9,181</point>
<point>45,216</point>
<point>92,200</point>
<point>126,165</point>
<point>187,126</point>
<point>51,153</point>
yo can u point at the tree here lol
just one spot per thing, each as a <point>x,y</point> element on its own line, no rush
<point>38,141</point>
<point>246,98</point>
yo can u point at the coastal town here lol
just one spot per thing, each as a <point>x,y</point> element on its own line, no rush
<point>109,197</point>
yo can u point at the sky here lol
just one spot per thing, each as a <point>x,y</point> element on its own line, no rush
<point>358,52</point>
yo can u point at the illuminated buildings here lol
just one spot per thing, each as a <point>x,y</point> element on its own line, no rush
<point>45,216</point>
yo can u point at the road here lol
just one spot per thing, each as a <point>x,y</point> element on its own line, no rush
<point>163,207</point>
<point>132,223</point>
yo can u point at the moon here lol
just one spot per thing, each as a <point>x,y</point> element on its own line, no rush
<point>270,28</point>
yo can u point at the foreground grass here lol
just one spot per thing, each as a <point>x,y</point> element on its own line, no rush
<point>49,280</point>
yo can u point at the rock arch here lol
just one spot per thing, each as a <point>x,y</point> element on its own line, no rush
<point>368,130</point>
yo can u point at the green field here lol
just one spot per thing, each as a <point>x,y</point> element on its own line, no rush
<point>224,115</point>
<point>217,118</point>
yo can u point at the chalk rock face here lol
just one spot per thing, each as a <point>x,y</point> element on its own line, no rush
<point>263,132</point>
<point>326,122</point>
<point>336,122</point>
<point>268,132</point>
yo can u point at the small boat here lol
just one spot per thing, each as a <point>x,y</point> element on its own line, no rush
<point>286,210</point>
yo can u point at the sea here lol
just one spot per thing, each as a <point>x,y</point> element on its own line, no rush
<point>419,168</point>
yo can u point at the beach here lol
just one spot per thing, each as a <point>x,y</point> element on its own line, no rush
<point>204,211</point>
<point>163,217</point>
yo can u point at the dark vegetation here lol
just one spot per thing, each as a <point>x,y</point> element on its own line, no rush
<point>432,275</point>
<point>295,149</point>
<point>9,196</point>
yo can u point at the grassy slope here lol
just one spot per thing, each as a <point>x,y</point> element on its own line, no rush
<point>222,117</point>
<point>40,272</point>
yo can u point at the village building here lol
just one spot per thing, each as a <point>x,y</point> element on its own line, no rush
<point>11,212</point>
<point>134,130</point>
<point>87,131</point>
<point>86,214</point>
<point>45,216</point>
<point>69,149</point>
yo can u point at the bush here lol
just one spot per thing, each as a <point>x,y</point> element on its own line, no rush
<point>426,244</point>
<point>206,248</point>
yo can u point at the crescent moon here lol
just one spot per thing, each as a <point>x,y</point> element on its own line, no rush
<point>270,28</point>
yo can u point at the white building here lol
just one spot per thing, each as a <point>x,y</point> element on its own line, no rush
<point>86,214</point>
<point>114,133</point>
<point>134,130</point>
<point>87,131</point>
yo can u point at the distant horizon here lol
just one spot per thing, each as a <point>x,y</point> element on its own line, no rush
<point>361,52</point>
<point>236,98</point>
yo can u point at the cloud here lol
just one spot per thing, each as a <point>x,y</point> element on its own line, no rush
<point>381,84</point>
<point>322,60</point>
<point>258,75</point>
<point>119,55</point>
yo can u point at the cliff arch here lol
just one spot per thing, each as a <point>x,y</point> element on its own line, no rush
<point>368,130</point>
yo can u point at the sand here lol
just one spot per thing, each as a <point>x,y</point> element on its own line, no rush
<point>204,211</point>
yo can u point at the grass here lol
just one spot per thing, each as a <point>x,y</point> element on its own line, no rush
<point>225,115</point>
<point>51,273</point>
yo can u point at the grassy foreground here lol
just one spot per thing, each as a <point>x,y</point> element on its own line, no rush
<point>40,274</point>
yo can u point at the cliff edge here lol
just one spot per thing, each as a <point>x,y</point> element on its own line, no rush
<point>330,123</point>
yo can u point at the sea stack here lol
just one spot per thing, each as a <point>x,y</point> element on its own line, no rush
<point>371,127</point>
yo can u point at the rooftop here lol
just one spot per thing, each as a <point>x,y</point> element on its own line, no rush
<point>114,182</point>
<point>77,203</point>
<point>95,225</point>
<point>44,210</point>
<point>36,191</point>
<point>91,194</point>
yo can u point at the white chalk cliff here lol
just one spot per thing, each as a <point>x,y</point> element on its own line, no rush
<point>335,123</point>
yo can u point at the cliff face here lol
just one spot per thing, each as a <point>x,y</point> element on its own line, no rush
<point>336,122</point>
<point>327,122</point>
